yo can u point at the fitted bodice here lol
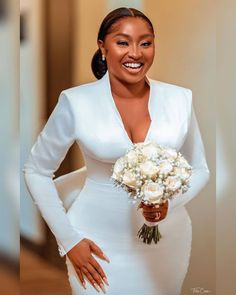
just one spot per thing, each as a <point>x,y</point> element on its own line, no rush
<point>100,132</point>
<point>97,170</point>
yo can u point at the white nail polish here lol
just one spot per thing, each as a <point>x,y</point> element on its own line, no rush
<point>106,281</point>
<point>108,260</point>
<point>102,287</point>
<point>96,287</point>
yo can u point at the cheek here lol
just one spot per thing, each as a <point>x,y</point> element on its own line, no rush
<point>115,52</point>
<point>115,56</point>
<point>150,55</point>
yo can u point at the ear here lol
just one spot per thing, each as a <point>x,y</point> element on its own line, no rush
<point>101,46</point>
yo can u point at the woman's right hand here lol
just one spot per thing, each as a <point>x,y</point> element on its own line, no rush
<point>85,264</point>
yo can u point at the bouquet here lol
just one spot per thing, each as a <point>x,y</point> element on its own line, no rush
<point>152,173</point>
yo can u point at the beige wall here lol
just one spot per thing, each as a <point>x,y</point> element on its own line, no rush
<point>226,146</point>
<point>185,55</point>
<point>88,16</point>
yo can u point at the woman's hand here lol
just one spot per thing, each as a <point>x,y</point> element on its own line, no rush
<point>154,213</point>
<point>85,264</point>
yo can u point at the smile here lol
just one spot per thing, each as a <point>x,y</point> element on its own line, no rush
<point>133,65</point>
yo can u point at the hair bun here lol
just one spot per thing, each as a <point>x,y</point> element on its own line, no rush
<point>99,67</point>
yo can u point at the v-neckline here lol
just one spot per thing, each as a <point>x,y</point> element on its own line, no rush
<point>118,113</point>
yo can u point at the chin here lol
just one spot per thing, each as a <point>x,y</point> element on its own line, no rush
<point>134,78</point>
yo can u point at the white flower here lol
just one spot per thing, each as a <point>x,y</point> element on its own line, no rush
<point>165,167</point>
<point>183,163</point>
<point>129,179</point>
<point>152,192</point>
<point>148,168</point>
<point>173,183</point>
<point>132,157</point>
<point>150,151</point>
<point>170,154</point>
<point>148,162</point>
<point>182,173</point>
<point>118,168</point>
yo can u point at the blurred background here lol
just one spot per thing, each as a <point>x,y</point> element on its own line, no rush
<point>52,51</point>
<point>9,155</point>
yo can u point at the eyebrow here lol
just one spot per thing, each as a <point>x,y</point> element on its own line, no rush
<point>128,36</point>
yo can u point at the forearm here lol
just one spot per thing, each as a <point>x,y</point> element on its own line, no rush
<point>44,194</point>
<point>199,179</point>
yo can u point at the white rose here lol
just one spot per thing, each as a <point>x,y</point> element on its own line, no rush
<point>182,173</point>
<point>129,179</point>
<point>150,150</point>
<point>148,168</point>
<point>118,168</point>
<point>153,192</point>
<point>183,163</point>
<point>132,157</point>
<point>173,183</point>
<point>165,167</point>
<point>170,153</point>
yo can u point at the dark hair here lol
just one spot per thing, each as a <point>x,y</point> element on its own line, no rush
<point>99,67</point>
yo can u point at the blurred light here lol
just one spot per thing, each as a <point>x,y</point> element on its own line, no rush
<point>9,147</point>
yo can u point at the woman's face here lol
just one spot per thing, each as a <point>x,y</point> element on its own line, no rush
<point>129,49</point>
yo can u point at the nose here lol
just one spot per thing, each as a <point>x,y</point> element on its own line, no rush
<point>135,52</point>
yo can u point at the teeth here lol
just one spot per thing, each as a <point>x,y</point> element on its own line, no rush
<point>133,65</point>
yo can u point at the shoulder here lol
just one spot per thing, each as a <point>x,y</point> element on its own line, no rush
<point>173,91</point>
<point>80,99</point>
<point>83,90</point>
<point>177,99</point>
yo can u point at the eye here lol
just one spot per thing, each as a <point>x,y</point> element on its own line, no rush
<point>146,44</point>
<point>122,43</point>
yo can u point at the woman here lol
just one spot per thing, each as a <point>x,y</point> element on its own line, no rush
<point>106,118</point>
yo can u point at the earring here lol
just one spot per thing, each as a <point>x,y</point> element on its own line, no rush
<point>103,57</point>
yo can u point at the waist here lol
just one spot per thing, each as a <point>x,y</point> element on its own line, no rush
<point>104,184</point>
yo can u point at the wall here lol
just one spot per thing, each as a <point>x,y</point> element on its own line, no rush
<point>32,92</point>
<point>88,16</point>
<point>226,146</point>
<point>9,129</point>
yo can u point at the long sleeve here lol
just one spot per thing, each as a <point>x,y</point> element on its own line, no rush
<point>193,150</point>
<point>44,159</point>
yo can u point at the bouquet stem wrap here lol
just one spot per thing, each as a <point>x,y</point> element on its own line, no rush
<point>149,233</point>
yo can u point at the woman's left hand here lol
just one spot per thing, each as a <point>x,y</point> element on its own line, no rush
<point>154,213</point>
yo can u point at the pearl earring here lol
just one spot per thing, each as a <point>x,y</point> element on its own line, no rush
<point>103,57</point>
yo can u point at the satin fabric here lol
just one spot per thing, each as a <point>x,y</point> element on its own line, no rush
<point>88,115</point>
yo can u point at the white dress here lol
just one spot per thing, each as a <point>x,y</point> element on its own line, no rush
<point>102,212</point>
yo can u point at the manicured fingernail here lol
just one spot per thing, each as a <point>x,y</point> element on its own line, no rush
<point>106,281</point>
<point>84,285</point>
<point>102,287</point>
<point>96,287</point>
<point>107,259</point>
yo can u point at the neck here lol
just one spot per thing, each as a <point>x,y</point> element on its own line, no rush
<point>128,90</point>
